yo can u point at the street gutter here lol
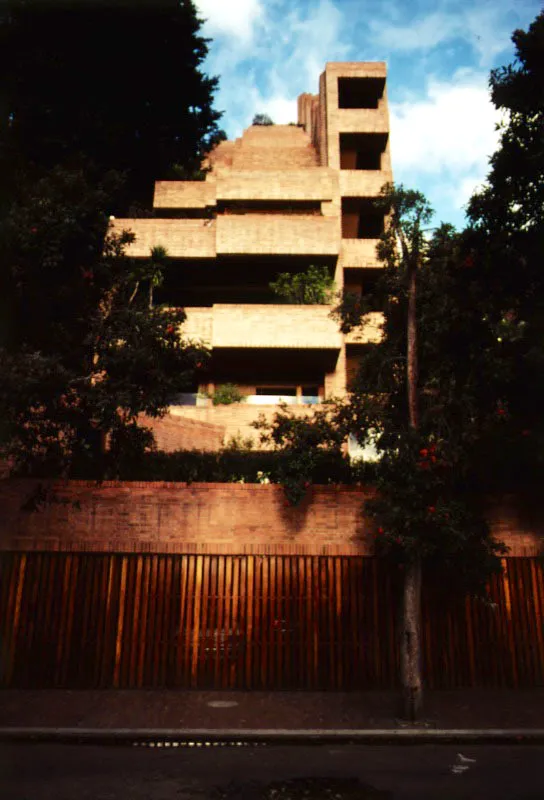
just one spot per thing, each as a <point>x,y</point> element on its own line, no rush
<point>176,737</point>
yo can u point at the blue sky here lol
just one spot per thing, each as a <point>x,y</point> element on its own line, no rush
<point>439,54</point>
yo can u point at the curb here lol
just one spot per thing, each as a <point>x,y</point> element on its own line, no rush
<point>198,736</point>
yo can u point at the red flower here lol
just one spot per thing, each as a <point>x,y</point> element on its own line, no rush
<point>380,531</point>
<point>424,453</point>
<point>501,411</point>
<point>433,459</point>
<point>432,448</point>
<point>424,465</point>
<point>199,365</point>
<point>170,329</point>
<point>431,509</point>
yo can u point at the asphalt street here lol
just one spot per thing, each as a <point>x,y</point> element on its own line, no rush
<point>437,772</point>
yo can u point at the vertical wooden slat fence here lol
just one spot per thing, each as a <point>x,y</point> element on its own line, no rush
<point>253,622</point>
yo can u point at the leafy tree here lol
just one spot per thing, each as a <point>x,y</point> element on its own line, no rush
<point>120,83</point>
<point>309,446</point>
<point>503,255</point>
<point>315,286</point>
<point>512,202</point>
<point>85,351</point>
<point>421,397</point>
<point>96,103</point>
<point>429,410</point>
<point>262,119</point>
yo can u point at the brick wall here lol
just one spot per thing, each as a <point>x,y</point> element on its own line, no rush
<point>261,234</point>
<point>235,418</point>
<point>183,238</point>
<point>178,433</point>
<point>278,326</point>
<point>286,185</point>
<point>184,194</point>
<point>359,253</point>
<point>362,183</point>
<point>162,517</point>
<point>214,518</point>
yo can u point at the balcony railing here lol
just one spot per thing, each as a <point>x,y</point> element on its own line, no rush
<point>201,401</point>
<point>363,183</point>
<point>190,399</point>
<point>358,253</point>
<point>276,399</point>
<point>277,234</point>
<point>263,326</point>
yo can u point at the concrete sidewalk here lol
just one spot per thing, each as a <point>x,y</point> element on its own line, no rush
<point>267,711</point>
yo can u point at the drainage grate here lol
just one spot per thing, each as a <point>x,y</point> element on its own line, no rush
<point>189,743</point>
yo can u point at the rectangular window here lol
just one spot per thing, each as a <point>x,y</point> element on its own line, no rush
<point>360,219</point>
<point>360,92</point>
<point>362,151</point>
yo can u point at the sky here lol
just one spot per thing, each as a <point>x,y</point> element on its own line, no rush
<point>439,54</point>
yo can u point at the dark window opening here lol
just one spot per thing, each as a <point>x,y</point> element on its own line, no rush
<point>361,219</point>
<point>360,92</point>
<point>269,207</point>
<point>287,391</point>
<point>367,285</point>
<point>362,150</point>
<point>207,213</point>
<point>236,280</point>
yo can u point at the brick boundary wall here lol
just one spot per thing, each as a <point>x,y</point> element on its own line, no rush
<point>160,517</point>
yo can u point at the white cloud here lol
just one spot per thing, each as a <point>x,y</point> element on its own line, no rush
<point>452,128</point>
<point>284,56</point>
<point>463,191</point>
<point>441,142</point>
<point>235,19</point>
<point>485,27</point>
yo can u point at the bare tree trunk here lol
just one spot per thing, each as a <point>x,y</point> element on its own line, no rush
<point>411,353</point>
<point>410,644</point>
<point>410,647</point>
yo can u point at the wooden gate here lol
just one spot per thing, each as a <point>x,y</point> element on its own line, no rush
<point>250,622</point>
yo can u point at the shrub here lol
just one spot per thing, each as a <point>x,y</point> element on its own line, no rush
<point>262,119</point>
<point>315,286</point>
<point>225,394</point>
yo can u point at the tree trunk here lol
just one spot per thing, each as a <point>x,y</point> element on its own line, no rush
<point>410,644</point>
<point>410,648</point>
<point>411,350</point>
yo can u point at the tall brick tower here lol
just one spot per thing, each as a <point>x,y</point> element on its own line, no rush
<point>278,199</point>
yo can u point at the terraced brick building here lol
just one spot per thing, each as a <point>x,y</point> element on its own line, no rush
<point>278,199</point>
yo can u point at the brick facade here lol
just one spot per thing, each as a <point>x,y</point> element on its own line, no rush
<point>214,518</point>
<point>279,198</point>
<point>179,433</point>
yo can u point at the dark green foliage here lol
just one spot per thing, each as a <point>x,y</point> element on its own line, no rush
<point>309,446</point>
<point>503,256</point>
<point>225,394</point>
<point>97,101</point>
<point>513,200</point>
<point>120,83</point>
<point>262,119</point>
<point>83,352</point>
<point>227,466</point>
<point>315,286</point>
<point>429,502</point>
